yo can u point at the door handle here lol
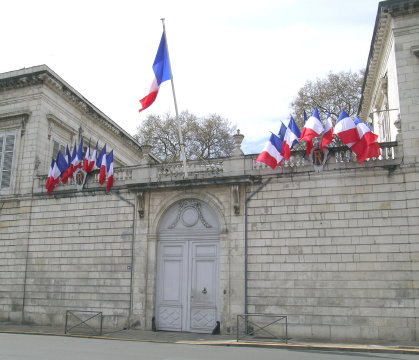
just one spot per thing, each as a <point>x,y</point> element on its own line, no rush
<point>204,291</point>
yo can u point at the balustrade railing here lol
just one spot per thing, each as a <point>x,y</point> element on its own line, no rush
<point>217,167</point>
<point>338,154</point>
<point>194,169</point>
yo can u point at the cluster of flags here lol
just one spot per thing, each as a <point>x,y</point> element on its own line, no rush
<point>355,134</point>
<point>63,166</point>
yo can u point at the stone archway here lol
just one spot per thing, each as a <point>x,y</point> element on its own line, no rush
<point>187,287</point>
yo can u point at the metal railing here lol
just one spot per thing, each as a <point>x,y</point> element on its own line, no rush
<point>266,327</point>
<point>77,319</point>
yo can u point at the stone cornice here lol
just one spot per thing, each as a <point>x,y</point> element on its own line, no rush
<point>42,75</point>
<point>386,11</point>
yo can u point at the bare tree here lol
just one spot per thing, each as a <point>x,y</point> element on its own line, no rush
<point>204,138</point>
<point>337,92</point>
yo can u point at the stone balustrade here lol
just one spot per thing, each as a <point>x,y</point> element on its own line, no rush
<point>225,167</point>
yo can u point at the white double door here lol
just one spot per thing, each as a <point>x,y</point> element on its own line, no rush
<point>187,286</point>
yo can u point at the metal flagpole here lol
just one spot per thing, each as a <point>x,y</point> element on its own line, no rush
<point>182,145</point>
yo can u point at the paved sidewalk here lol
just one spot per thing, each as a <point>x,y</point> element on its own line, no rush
<point>208,339</point>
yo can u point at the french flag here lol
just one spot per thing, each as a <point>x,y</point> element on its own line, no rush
<point>161,69</point>
<point>327,136</point>
<point>312,128</point>
<point>57,168</point>
<point>362,148</point>
<point>64,175</point>
<point>49,182</point>
<point>55,178</point>
<point>86,159</point>
<point>70,170</point>
<point>76,158</point>
<point>109,171</point>
<point>291,136</point>
<point>271,153</point>
<point>61,162</point>
<point>101,165</point>
<point>346,129</point>
<point>92,159</point>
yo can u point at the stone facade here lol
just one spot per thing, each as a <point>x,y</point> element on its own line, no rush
<point>335,250</point>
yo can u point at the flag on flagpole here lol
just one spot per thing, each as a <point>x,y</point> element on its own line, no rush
<point>58,166</point>
<point>366,138</point>
<point>92,159</point>
<point>271,153</point>
<point>70,170</point>
<point>291,136</point>
<point>109,171</point>
<point>327,136</point>
<point>312,128</point>
<point>76,158</point>
<point>49,182</point>
<point>101,165</point>
<point>346,130</point>
<point>64,175</point>
<point>86,159</point>
<point>161,69</point>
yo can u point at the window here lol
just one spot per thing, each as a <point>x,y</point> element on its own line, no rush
<point>56,146</point>
<point>7,147</point>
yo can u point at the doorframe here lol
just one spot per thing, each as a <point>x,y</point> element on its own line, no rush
<point>161,202</point>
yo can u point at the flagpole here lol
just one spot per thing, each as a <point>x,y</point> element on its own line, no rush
<point>182,145</point>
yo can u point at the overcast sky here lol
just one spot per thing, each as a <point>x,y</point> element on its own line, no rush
<point>244,60</point>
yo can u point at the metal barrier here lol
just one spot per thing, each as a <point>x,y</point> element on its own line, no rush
<point>265,327</point>
<point>78,319</point>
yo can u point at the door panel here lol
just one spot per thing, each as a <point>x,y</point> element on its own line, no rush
<point>204,286</point>
<point>171,295</point>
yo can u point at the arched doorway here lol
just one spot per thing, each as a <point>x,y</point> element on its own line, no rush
<point>187,288</point>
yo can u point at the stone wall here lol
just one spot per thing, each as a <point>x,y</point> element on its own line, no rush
<point>337,252</point>
<point>67,252</point>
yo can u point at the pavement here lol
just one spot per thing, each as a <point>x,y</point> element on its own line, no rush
<point>208,339</point>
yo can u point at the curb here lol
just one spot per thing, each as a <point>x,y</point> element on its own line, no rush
<point>301,347</point>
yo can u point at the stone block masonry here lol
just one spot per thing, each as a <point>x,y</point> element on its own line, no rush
<point>354,277</point>
<point>77,256</point>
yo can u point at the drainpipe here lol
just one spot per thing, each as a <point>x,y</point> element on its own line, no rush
<point>246,242</point>
<point>117,193</point>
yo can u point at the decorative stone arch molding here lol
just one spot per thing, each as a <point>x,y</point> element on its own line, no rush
<point>211,200</point>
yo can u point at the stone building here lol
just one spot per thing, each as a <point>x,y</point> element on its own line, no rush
<point>334,248</point>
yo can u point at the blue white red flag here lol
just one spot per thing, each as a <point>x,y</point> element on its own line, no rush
<point>92,159</point>
<point>71,169</point>
<point>271,153</point>
<point>362,148</point>
<point>346,129</point>
<point>76,157</point>
<point>49,182</point>
<point>64,175</point>
<point>109,171</point>
<point>86,158</point>
<point>327,136</point>
<point>313,127</point>
<point>161,69</point>
<point>291,136</point>
<point>56,169</point>
<point>61,162</point>
<point>101,165</point>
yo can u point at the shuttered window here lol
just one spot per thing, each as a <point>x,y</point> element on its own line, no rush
<point>7,147</point>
